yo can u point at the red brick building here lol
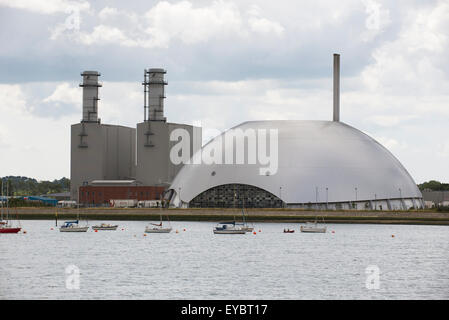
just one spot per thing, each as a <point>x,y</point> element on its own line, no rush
<point>101,195</point>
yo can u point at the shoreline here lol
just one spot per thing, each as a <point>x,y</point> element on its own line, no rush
<point>215,215</point>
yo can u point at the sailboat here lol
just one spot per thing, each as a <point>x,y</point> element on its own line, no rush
<point>158,227</point>
<point>5,226</point>
<point>313,227</point>
<point>245,227</point>
<point>73,226</point>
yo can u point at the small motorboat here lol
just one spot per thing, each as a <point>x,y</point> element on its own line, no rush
<point>228,228</point>
<point>288,231</point>
<point>105,226</point>
<point>72,226</point>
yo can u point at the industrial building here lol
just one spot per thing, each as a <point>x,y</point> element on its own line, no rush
<point>113,155</point>
<point>320,165</point>
<point>316,164</point>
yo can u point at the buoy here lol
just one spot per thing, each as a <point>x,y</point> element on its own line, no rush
<point>333,231</point>
<point>51,228</point>
<point>96,230</point>
<point>260,230</point>
<point>184,229</point>
<point>24,231</point>
<point>123,229</point>
<point>254,232</point>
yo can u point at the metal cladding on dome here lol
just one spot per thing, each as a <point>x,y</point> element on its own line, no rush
<point>319,162</point>
<point>312,156</point>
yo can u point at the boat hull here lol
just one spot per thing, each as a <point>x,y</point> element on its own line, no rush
<point>10,230</point>
<point>104,228</point>
<point>161,230</point>
<point>229,231</point>
<point>313,230</point>
<point>74,229</point>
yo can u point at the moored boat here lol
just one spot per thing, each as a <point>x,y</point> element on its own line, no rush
<point>105,226</point>
<point>5,226</point>
<point>158,227</point>
<point>228,228</point>
<point>72,226</point>
<point>313,227</point>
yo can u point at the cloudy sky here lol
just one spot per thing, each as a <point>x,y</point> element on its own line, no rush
<point>227,61</point>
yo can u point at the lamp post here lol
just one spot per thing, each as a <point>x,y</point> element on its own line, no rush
<point>179,194</point>
<point>327,198</point>
<point>356,197</point>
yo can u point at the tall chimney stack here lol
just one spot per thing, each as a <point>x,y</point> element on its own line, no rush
<point>90,87</point>
<point>336,87</point>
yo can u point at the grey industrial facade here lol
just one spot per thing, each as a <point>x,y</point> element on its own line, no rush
<point>113,152</point>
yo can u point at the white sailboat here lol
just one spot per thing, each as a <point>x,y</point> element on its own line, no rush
<point>245,225</point>
<point>158,227</point>
<point>313,227</point>
<point>228,228</point>
<point>73,226</point>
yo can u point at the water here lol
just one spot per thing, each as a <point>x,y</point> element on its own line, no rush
<point>196,264</point>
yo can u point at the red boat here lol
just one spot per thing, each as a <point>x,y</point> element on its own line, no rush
<point>9,230</point>
<point>5,228</point>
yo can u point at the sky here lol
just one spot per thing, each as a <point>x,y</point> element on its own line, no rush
<point>227,62</point>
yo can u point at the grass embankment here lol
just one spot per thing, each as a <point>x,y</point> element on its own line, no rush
<point>254,215</point>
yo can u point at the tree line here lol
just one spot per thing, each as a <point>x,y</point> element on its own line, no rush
<point>434,186</point>
<point>24,186</point>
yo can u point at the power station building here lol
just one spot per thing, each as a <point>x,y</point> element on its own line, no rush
<point>258,164</point>
<point>132,163</point>
<point>318,165</point>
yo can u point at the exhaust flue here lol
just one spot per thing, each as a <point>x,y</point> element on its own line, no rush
<point>336,87</point>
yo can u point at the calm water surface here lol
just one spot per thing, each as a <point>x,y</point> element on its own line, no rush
<point>196,264</point>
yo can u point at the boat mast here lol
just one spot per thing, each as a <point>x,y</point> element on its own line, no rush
<point>7,203</point>
<point>2,203</point>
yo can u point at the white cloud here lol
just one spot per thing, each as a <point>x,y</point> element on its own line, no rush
<point>108,12</point>
<point>47,6</point>
<point>65,93</point>
<point>36,146</point>
<point>166,22</point>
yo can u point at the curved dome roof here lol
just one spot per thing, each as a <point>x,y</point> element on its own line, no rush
<point>311,155</point>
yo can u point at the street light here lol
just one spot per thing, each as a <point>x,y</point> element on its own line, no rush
<point>327,199</point>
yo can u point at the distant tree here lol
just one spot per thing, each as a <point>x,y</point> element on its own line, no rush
<point>434,186</point>
<point>23,186</point>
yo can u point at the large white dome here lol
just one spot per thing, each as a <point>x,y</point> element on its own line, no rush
<point>319,162</point>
